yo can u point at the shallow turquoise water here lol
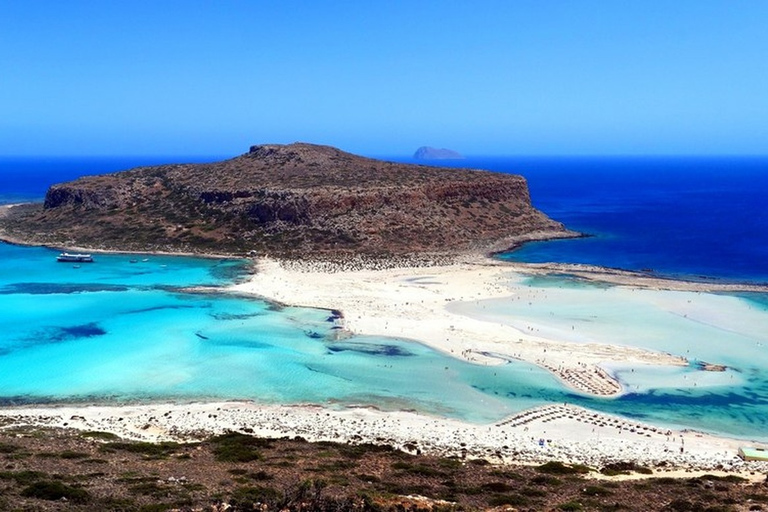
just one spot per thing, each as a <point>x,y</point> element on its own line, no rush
<point>122,331</point>
<point>716,328</point>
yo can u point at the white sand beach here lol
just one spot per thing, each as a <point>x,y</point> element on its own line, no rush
<point>555,432</point>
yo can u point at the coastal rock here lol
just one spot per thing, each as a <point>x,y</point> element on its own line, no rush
<point>288,200</point>
<point>430,153</point>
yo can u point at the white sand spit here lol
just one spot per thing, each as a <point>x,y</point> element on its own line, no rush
<point>411,302</point>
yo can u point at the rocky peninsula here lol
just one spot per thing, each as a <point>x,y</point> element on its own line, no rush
<point>288,201</point>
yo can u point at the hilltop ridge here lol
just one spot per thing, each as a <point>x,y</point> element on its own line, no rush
<point>288,200</point>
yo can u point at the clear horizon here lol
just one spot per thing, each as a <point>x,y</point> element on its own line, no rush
<point>494,78</point>
<point>406,155</point>
<point>378,156</point>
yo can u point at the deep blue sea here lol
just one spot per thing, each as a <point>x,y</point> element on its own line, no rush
<point>687,217</point>
<point>127,328</point>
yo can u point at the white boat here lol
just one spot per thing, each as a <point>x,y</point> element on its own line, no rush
<point>65,257</point>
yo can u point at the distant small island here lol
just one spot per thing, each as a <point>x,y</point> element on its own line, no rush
<point>430,153</point>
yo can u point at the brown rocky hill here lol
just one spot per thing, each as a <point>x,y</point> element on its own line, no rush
<point>288,200</point>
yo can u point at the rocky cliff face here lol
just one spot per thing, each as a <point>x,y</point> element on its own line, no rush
<point>291,200</point>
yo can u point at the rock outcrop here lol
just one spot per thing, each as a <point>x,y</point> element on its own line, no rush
<point>289,200</point>
<point>430,153</point>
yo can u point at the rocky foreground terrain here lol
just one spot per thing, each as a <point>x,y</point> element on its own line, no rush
<point>285,200</point>
<point>47,469</point>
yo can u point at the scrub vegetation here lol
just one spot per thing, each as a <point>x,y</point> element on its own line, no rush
<point>53,469</point>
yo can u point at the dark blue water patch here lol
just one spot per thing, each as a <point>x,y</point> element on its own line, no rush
<point>314,335</point>
<point>54,335</point>
<point>58,288</point>
<point>370,349</point>
<point>89,330</point>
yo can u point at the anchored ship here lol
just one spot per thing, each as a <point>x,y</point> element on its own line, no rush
<point>65,257</point>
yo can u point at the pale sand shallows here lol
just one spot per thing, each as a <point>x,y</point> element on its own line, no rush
<point>411,302</point>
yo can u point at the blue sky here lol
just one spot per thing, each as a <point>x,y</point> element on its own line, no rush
<point>513,77</point>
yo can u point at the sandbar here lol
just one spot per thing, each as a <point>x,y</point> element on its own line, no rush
<point>424,303</point>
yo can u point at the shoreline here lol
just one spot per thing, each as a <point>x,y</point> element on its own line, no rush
<point>564,433</point>
<point>608,275</point>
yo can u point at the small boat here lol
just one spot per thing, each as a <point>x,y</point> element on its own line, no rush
<point>65,257</point>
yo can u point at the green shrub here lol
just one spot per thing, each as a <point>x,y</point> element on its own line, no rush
<point>153,489</point>
<point>237,447</point>
<point>727,478</point>
<point>596,490</point>
<point>624,468</point>
<point>22,477</point>
<point>54,491</point>
<point>497,487</point>
<point>545,480</point>
<point>510,475</point>
<point>558,468</point>
<point>69,454</point>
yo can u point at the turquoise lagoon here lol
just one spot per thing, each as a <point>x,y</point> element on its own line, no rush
<point>725,329</point>
<point>128,328</point>
<point>133,328</point>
